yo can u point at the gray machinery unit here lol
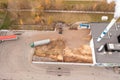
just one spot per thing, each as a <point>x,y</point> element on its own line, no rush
<point>111,47</point>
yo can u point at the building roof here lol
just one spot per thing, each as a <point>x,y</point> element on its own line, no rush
<point>96,30</point>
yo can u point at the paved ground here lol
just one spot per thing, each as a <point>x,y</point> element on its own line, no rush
<point>113,57</point>
<point>73,38</point>
<point>15,64</point>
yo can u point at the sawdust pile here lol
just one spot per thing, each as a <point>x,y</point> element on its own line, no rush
<point>58,51</point>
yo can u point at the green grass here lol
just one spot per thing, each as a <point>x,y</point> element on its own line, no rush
<point>6,23</point>
<point>83,5</point>
<point>66,17</point>
<point>3,3</point>
<point>80,2</point>
<point>74,17</point>
<point>88,5</point>
<point>2,14</point>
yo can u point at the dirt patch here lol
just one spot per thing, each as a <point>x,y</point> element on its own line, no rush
<point>58,51</point>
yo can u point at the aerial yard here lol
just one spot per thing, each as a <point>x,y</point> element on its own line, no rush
<point>16,58</point>
<point>37,43</point>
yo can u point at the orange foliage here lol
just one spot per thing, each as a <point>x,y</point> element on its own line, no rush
<point>21,21</point>
<point>50,20</point>
<point>37,19</point>
<point>47,2</point>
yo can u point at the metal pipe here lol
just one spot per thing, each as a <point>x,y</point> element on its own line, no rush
<point>41,42</point>
<point>100,48</point>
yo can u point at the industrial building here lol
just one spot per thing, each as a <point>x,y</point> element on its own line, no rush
<point>105,57</point>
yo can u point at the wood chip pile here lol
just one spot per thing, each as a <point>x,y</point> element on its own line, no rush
<point>57,51</point>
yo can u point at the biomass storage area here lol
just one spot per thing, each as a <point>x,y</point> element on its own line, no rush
<point>66,47</point>
<point>56,50</point>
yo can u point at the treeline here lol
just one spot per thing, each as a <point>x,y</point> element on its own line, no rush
<point>80,5</point>
<point>60,5</point>
<point>3,5</point>
<point>37,7</point>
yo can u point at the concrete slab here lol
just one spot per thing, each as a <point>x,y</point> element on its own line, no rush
<point>96,30</point>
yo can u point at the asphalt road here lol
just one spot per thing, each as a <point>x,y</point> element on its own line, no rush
<point>15,64</point>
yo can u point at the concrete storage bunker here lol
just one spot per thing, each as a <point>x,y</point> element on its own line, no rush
<point>58,50</point>
<point>98,58</point>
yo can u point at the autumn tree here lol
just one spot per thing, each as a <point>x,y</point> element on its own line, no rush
<point>59,4</point>
<point>24,4</point>
<point>38,13</point>
<point>50,20</point>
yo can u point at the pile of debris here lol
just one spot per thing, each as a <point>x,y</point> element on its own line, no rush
<point>57,51</point>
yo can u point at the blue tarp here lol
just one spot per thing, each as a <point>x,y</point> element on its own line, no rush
<point>84,25</point>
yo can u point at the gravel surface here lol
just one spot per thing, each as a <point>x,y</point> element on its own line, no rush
<point>15,63</point>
